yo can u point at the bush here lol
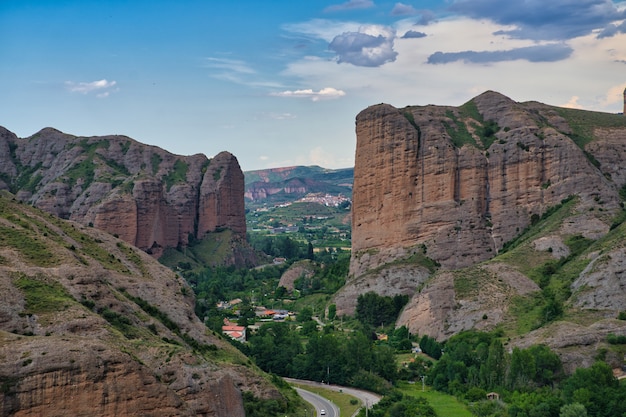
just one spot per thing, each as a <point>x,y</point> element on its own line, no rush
<point>475,394</point>
<point>616,340</point>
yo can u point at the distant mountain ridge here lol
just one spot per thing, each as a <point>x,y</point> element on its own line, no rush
<point>291,183</point>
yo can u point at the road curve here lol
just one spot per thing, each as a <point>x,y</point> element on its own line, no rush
<point>319,402</point>
<point>366,397</point>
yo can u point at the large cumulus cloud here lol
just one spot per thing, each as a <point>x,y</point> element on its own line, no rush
<point>370,46</point>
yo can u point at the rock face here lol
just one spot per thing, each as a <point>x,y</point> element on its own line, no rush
<point>301,269</point>
<point>458,184</point>
<point>145,195</point>
<point>90,326</point>
<point>415,183</point>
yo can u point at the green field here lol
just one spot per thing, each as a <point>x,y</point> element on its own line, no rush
<point>445,405</point>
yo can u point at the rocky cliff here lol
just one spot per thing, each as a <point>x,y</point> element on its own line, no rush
<point>145,195</point>
<point>90,325</point>
<point>460,184</point>
<point>464,181</point>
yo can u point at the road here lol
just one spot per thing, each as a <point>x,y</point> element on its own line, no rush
<point>366,397</point>
<point>319,402</point>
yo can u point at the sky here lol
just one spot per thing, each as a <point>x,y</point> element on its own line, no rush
<point>279,83</point>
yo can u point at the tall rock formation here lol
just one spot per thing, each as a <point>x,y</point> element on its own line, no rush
<point>458,183</point>
<point>143,194</point>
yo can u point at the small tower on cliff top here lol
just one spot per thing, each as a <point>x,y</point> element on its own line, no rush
<point>624,112</point>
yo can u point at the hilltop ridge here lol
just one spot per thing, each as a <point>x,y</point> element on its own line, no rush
<point>145,195</point>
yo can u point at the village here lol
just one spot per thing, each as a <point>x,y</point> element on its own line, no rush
<point>238,332</point>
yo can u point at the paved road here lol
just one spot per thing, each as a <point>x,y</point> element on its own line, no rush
<point>320,403</point>
<point>366,397</point>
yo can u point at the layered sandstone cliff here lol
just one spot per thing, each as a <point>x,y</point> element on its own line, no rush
<point>145,195</point>
<point>90,326</point>
<point>414,185</point>
<point>458,183</point>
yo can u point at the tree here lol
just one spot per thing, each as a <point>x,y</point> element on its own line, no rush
<point>492,372</point>
<point>430,347</point>
<point>400,340</point>
<point>309,254</point>
<point>332,312</point>
<point>376,310</point>
<point>246,315</point>
<point>385,362</point>
<point>547,363</point>
<point>573,410</point>
<point>305,314</point>
<point>522,369</point>
<point>280,292</point>
<point>274,347</point>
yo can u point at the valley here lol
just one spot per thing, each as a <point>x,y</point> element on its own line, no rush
<point>478,249</point>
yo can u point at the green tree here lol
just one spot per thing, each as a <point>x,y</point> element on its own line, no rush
<point>400,339</point>
<point>273,348</point>
<point>305,314</point>
<point>547,363</point>
<point>246,315</point>
<point>522,369</point>
<point>332,312</point>
<point>375,310</point>
<point>310,255</point>
<point>493,370</point>
<point>573,410</point>
<point>597,389</point>
<point>385,363</point>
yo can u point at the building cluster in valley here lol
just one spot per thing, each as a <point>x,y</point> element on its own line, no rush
<point>325,199</point>
<point>263,315</point>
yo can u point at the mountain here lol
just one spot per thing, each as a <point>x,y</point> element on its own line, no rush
<point>90,325</point>
<point>148,197</point>
<point>277,185</point>
<point>475,210</point>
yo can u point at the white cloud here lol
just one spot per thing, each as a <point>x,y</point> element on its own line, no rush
<point>327,93</point>
<point>103,87</point>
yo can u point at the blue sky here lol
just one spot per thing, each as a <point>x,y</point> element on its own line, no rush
<point>279,83</point>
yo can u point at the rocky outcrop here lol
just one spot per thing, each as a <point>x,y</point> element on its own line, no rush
<point>92,326</point>
<point>476,298</point>
<point>301,269</point>
<point>458,184</point>
<point>143,194</point>
<point>432,176</point>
